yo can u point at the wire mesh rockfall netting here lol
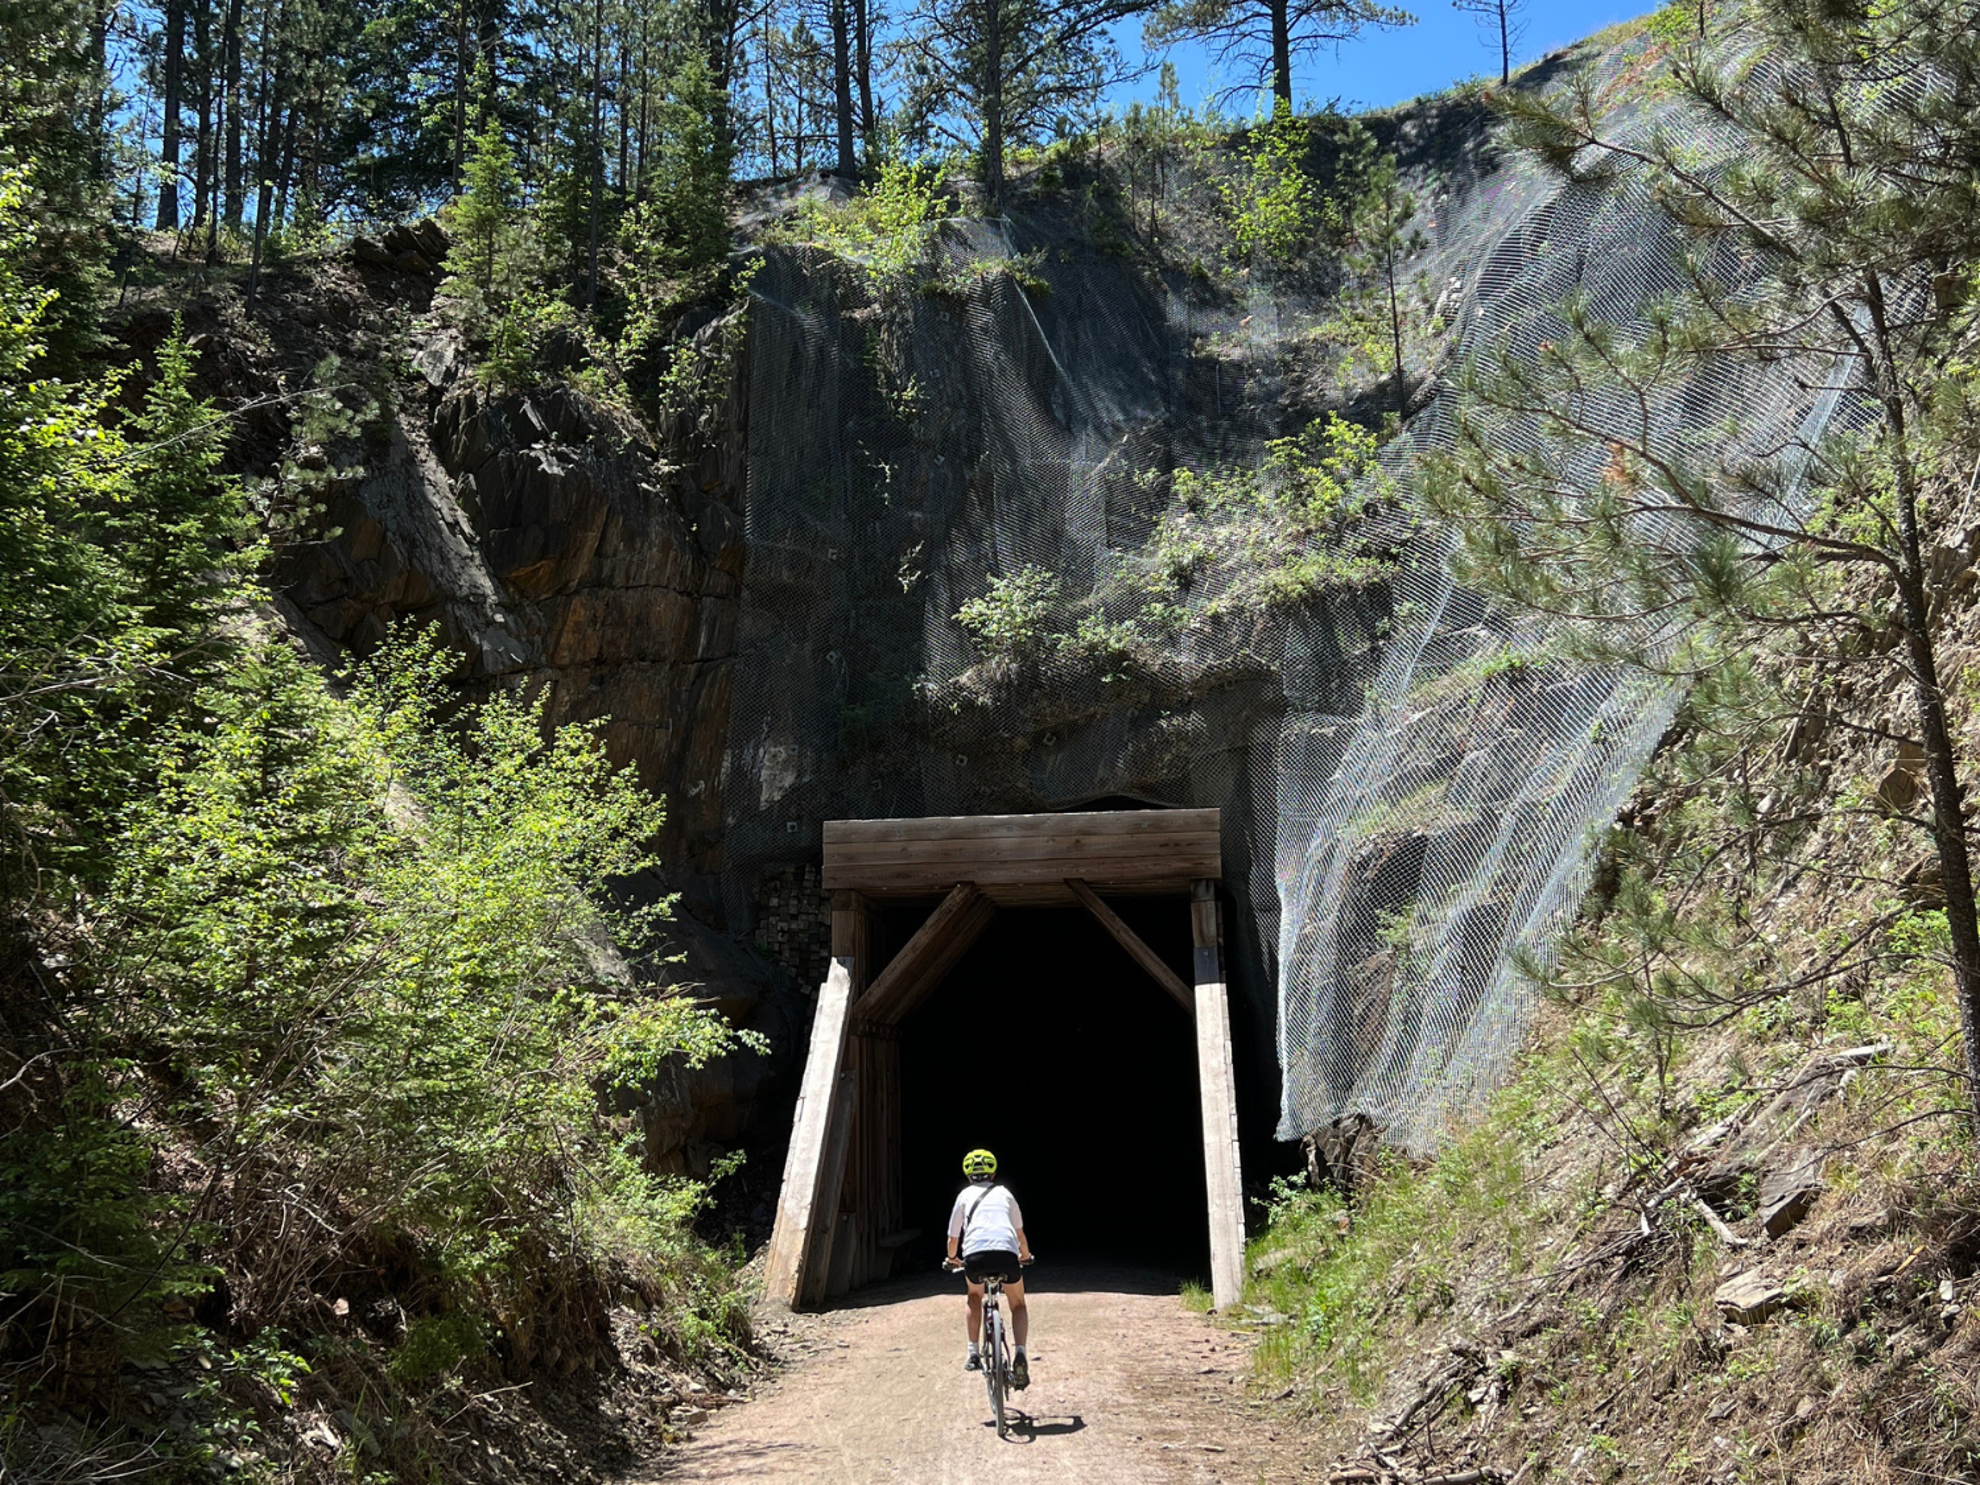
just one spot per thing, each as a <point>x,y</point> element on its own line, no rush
<point>1406,801</point>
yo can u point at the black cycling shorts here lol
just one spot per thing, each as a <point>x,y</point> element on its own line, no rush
<point>995,1263</point>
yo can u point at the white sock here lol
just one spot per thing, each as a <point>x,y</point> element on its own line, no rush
<point>972,1348</point>
<point>1020,1350</point>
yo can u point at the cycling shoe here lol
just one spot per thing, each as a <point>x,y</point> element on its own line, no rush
<point>974,1363</point>
<point>1021,1372</point>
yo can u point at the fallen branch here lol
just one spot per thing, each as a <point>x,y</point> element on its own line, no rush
<point>1717,1223</point>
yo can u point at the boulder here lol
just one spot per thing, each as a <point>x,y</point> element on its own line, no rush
<point>1901,783</point>
<point>1749,1298</point>
<point>431,238</point>
<point>1786,1194</point>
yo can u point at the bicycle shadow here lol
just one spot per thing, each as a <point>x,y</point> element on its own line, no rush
<point>1026,1429</point>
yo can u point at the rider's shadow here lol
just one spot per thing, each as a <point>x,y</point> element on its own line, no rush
<point>1025,1428</point>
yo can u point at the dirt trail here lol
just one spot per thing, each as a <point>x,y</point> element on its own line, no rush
<point>1127,1388</point>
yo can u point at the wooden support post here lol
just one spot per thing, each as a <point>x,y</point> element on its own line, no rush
<point>807,1206</point>
<point>1218,1083</point>
<point>1137,949</point>
<point>840,1183</point>
<point>831,1227</point>
<point>811,1128</point>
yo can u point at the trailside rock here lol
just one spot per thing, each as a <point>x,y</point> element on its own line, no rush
<point>1787,1194</point>
<point>1749,1298</point>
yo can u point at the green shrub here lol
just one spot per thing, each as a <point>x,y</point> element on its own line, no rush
<point>886,228</point>
<point>1274,208</point>
<point>1010,622</point>
<point>360,947</point>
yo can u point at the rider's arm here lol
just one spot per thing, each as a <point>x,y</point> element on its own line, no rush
<point>955,1229</point>
<point>1024,1247</point>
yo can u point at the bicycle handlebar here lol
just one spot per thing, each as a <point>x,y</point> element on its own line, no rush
<point>955,1265</point>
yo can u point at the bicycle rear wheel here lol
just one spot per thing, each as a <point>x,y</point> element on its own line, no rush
<point>996,1368</point>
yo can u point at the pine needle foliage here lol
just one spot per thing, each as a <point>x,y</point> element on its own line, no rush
<point>1836,231</point>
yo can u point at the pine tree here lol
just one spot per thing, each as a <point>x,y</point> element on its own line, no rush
<point>1503,24</point>
<point>985,75</point>
<point>1851,202</point>
<point>1262,37</point>
<point>1381,235</point>
<point>485,212</point>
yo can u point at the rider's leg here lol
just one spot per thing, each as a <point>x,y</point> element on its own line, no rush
<point>1020,1317</point>
<point>975,1303</point>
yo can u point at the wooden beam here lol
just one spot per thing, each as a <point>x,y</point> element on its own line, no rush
<point>987,827</point>
<point>930,954</point>
<point>811,1130</point>
<point>1171,872</point>
<point>1128,939</point>
<point>1153,849</point>
<point>1217,1082</point>
<point>851,930</point>
<point>828,1250</point>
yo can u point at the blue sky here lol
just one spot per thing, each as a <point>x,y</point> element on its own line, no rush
<point>1443,47</point>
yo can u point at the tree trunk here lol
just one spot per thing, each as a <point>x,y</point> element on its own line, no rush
<point>645,103</point>
<point>1281,52</point>
<point>769,97</point>
<point>723,18</point>
<point>869,126</point>
<point>99,84</point>
<point>842,90</point>
<point>1948,811</point>
<point>1395,333</point>
<point>271,129</point>
<point>597,144</point>
<point>168,152</point>
<point>1941,759</point>
<point>993,105</point>
<point>462,75</point>
<point>623,92</point>
<point>230,106</point>
<point>203,127</point>
<point>1505,45</point>
<point>286,166</point>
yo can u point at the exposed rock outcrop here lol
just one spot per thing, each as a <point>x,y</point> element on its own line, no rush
<point>556,545</point>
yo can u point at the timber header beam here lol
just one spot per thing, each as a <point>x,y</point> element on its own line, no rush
<point>1026,859</point>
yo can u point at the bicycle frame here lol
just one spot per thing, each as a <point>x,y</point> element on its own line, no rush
<point>996,1353</point>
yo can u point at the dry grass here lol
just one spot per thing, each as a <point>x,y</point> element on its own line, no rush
<point>1540,1299</point>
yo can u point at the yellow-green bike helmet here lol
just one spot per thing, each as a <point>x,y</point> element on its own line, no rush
<point>979,1164</point>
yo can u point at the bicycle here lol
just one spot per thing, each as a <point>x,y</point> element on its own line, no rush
<point>994,1350</point>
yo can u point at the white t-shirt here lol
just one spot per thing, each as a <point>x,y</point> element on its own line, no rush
<point>993,1220</point>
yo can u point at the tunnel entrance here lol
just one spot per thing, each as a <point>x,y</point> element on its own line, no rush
<point>1117,1054</point>
<point>1095,1120</point>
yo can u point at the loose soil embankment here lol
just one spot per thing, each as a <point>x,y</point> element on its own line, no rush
<point>1128,1387</point>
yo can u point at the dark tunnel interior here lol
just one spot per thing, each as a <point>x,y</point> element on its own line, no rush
<point>1050,1046</point>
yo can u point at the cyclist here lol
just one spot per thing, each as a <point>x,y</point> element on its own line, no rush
<point>989,1230</point>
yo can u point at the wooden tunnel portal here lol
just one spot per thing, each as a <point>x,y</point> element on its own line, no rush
<point>839,1214</point>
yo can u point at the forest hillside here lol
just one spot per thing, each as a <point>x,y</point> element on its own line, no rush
<point>480,485</point>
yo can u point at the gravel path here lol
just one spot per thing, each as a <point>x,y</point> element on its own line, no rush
<point>1128,1388</point>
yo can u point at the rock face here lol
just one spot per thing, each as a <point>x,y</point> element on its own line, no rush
<point>554,545</point>
<point>762,602</point>
<point>905,448</point>
<point>554,548</point>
